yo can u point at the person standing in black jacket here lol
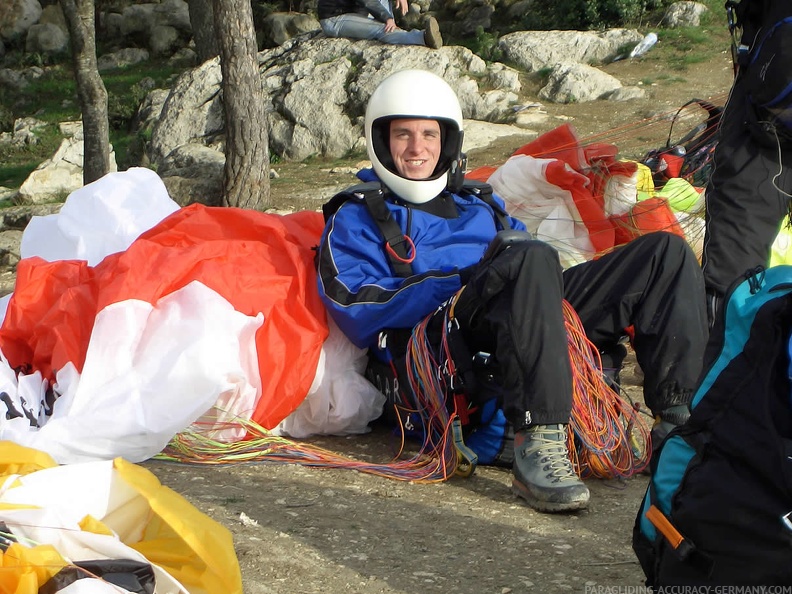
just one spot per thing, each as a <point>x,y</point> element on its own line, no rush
<point>748,193</point>
<point>373,19</point>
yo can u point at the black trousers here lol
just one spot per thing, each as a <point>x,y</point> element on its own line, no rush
<point>512,308</point>
<point>745,199</point>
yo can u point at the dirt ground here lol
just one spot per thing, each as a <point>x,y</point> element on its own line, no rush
<point>299,530</point>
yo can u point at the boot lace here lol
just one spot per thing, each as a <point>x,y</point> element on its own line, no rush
<point>550,446</point>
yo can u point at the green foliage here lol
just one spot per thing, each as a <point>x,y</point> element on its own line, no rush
<point>484,44</point>
<point>126,89</point>
<point>581,15</point>
<point>6,119</point>
<point>16,163</point>
<point>122,108</point>
<point>691,45</point>
<point>355,153</point>
<point>12,176</point>
<point>18,59</point>
<point>52,97</point>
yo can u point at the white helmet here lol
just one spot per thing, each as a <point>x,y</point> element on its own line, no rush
<point>413,94</point>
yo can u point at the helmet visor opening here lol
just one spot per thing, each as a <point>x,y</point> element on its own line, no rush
<point>449,143</point>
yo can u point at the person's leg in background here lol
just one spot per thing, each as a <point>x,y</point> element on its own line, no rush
<point>654,283</point>
<point>355,26</point>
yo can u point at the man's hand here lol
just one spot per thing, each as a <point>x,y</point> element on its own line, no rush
<point>390,26</point>
<point>401,6</point>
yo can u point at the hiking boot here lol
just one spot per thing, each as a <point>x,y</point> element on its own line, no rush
<point>543,473</point>
<point>432,37</point>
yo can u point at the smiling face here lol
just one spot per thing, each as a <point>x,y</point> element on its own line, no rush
<point>415,146</point>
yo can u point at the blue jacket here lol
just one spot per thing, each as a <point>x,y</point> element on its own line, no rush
<point>359,289</point>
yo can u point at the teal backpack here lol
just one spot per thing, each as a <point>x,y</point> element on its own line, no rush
<point>718,509</point>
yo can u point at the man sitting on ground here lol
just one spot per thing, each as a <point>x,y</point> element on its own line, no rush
<point>510,304</point>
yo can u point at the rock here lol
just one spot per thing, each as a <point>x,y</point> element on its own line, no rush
<point>19,79</point>
<point>164,40</point>
<point>317,98</point>
<point>53,15</point>
<point>683,14</point>
<point>279,27</point>
<point>58,176</point>
<point>24,132</point>
<point>7,193</point>
<point>625,94</point>
<point>46,38</point>
<point>125,57</point>
<point>529,115</point>
<point>194,173</point>
<point>534,50</point>
<point>137,19</point>
<point>571,82</point>
<point>481,134</point>
<point>9,247</point>
<point>16,17</point>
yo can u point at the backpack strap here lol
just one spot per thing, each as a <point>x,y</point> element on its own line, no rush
<point>356,192</point>
<point>398,247</point>
<point>484,191</point>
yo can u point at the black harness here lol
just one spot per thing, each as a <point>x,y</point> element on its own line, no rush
<point>398,246</point>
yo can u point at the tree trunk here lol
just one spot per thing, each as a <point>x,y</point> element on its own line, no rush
<point>91,91</point>
<point>247,182</point>
<point>203,29</point>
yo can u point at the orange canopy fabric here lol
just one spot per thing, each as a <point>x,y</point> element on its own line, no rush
<point>258,262</point>
<point>597,161</point>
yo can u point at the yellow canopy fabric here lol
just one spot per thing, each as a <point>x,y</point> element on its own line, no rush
<point>134,512</point>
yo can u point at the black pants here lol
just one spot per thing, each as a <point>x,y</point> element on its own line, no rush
<point>745,195</point>
<point>512,308</point>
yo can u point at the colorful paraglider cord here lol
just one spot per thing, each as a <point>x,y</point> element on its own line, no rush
<point>607,437</point>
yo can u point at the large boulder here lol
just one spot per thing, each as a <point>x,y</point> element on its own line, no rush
<point>46,38</point>
<point>535,50</point>
<point>317,89</point>
<point>60,175</point>
<point>683,14</point>
<point>16,17</point>
<point>279,27</point>
<point>571,82</point>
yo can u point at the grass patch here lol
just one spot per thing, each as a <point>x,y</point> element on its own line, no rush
<point>52,98</point>
<point>12,176</point>
<point>16,163</point>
